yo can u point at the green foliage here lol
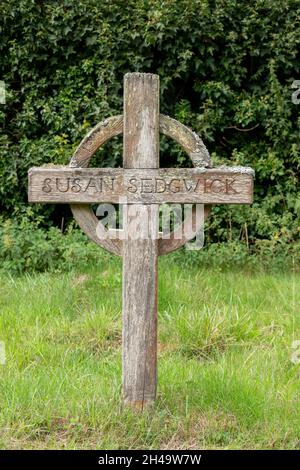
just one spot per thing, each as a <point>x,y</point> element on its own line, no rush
<point>264,255</point>
<point>25,246</point>
<point>226,70</point>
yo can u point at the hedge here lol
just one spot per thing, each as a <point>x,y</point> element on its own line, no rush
<point>226,70</point>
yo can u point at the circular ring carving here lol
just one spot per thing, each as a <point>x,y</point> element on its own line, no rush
<point>111,127</point>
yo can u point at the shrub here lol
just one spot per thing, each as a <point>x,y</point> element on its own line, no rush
<point>226,70</point>
<point>26,247</point>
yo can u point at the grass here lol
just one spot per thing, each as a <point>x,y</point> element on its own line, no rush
<point>226,379</point>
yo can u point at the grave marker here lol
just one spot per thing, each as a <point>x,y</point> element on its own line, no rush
<point>143,185</point>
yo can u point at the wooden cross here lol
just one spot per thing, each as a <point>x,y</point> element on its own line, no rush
<point>143,186</point>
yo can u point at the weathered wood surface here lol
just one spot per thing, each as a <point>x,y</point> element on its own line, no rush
<point>144,186</point>
<point>113,126</point>
<point>232,185</point>
<point>140,254</point>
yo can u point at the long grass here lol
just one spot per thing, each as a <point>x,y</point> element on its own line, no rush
<point>226,379</point>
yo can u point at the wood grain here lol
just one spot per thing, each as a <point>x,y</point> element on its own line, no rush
<point>188,139</point>
<point>142,186</point>
<point>97,136</point>
<point>232,185</point>
<point>88,222</point>
<point>140,254</point>
<point>113,126</point>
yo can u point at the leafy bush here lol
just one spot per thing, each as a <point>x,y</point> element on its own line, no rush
<point>226,70</point>
<point>25,247</point>
<point>265,255</point>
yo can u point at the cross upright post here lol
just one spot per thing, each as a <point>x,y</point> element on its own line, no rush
<point>140,255</point>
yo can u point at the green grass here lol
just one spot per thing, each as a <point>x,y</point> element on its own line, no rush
<point>226,379</point>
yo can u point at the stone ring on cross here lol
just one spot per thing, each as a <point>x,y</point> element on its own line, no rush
<point>143,186</point>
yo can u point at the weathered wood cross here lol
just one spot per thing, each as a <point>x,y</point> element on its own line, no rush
<point>143,186</point>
